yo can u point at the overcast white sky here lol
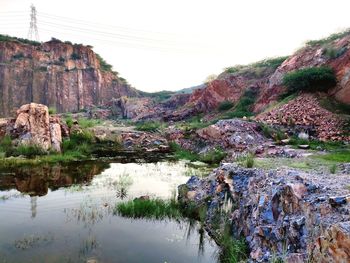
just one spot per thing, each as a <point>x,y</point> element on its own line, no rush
<point>170,45</point>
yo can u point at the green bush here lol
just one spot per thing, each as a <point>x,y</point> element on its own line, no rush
<point>310,79</point>
<point>52,110</point>
<point>225,105</point>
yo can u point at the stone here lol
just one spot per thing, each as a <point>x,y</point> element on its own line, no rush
<point>33,126</point>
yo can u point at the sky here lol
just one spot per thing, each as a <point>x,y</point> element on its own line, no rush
<point>169,45</point>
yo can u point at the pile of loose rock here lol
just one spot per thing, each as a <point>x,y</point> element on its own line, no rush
<point>306,111</point>
<point>281,213</point>
<point>144,141</point>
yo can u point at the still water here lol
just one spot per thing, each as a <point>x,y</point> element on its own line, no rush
<point>65,214</point>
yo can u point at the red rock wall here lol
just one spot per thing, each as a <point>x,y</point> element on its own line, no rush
<point>47,74</point>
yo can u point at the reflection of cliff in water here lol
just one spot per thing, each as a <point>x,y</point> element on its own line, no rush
<point>36,180</point>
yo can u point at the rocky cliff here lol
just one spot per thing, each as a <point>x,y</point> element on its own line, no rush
<point>60,75</point>
<point>266,76</point>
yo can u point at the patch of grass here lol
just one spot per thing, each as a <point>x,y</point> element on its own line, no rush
<point>214,156</point>
<point>149,209</point>
<point>232,250</point>
<point>272,132</point>
<point>333,168</point>
<point>52,110</point>
<point>69,120</point>
<point>151,126</point>
<point>195,123</point>
<point>88,123</point>
<point>310,79</point>
<point>183,154</point>
<point>29,151</point>
<point>318,145</point>
<point>250,159</point>
<point>6,145</point>
<point>258,69</point>
<point>342,156</point>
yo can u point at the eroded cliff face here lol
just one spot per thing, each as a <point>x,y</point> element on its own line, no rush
<point>60,75</point>
<point>268,81</point>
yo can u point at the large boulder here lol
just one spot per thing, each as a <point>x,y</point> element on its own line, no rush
<point>33,127</point>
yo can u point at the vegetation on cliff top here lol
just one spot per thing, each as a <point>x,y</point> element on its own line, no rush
<point>258,69</point>
<point>4,38</point>
<point>328,39</point>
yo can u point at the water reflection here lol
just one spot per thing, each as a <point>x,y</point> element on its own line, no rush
<point>71,211</point>
<point>37,180</point>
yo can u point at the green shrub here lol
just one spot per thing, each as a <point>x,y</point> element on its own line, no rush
<point>225,105</point>
<point>150,126</point>
<point>310,79</point>
<point>52,110</point>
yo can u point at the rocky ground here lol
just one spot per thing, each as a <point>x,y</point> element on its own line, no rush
<point>281,213</point>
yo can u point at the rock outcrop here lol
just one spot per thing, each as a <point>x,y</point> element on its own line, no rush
<point>34,126</point>
<point>281,213</point>
<point>60,75</point>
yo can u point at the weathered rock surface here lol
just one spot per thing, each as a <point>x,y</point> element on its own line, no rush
<point>234,134</point>
<point>34,126</point>
<point>281,212</point>
<point>60,75</point>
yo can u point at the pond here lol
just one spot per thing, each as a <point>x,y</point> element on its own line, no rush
<point>65,214</point>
